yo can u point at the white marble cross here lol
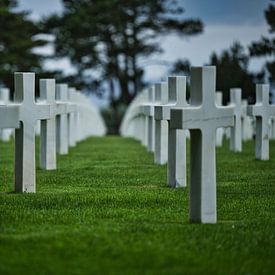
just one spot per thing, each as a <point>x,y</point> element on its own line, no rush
<point>220,131</point>
<point>5,134</point>
<point>176,167</point>
<point>48,126</point>
<point>272,128</point>
<point>148,109</point>
<point>263,111</point>
<point>145,98</point>
<point>62,139</point>
<point>29,113</point>
<point>247,123</point>
<point>236,130</point>
<point>203,117</point>
<point>72,114</point>
<point>161,126</point>
<point>142,117</point>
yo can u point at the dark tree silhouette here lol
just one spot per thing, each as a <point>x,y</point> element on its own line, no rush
<point>232,72</point>
<point>266,46</point>
<point>110,37</point>
<point>18,38</point>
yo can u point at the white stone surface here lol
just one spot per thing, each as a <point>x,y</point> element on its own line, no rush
<point>5,134</point>
<point>247,123</point>
<point>203,117</point>
<point>135,123</point>
<point>161,126</point>
<point>62,138</point>
<point>145,98</point>
<point>263,111</point>
<point>48,126</point>
<point>148,109</point>
<point>176,168</point>
<point>236,130</point>
<point>29,113</point>
<point>272,128</point>
<point>220,131</point>
<point>72,110</point>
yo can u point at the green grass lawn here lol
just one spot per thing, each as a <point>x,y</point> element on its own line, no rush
<point>107,210</point>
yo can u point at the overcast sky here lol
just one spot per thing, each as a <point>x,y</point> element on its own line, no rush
<point>225,21</point>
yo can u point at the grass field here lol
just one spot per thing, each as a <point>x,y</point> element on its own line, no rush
<point>107,210</point>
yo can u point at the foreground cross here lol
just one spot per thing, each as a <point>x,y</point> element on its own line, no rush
<point>176,166</point>
<point>263,111</point>
<point>29,113</point>
<point>236,130</point>
<point>203,117</point>
<point>161,126</point>
<point>48,126</point>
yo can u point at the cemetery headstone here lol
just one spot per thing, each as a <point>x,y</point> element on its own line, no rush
<point>176,166</point>
<point>263,111</point>
<point>161,126</point>
<point>5,134</point>
<point>62,140</point>
<point>48,126</point>
<point>148,109</point>
<point>202,117</point>
<point>29,113</point>
<point>236,130</point>
<point>220,131</point>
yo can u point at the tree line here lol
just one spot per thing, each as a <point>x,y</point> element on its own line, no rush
<point>106,40</point>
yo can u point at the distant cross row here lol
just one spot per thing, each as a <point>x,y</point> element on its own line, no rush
<point>207,121</point>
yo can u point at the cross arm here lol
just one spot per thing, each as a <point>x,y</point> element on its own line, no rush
<point>60,108</point>
<point>43,110</point>
<point>162,112</point>
<point>71,107</point>
<point>9,116</point>
<point>195,117</point>
<point>148,109</point>
<point>255,110</point>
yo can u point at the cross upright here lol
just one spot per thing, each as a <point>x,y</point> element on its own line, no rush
<point>161,126</point>
<point>48,126</point>
<point>148,109</point>
<point>236,130</point>
<point>202,117</point>
<point>72,110</point>
<point>272,126</point>
<point>176,166</point>
<point>140,131</point>
<point>29,113</point>
<point>247,127</point>
<point>62,141</point>
<point>263,111</point>
<point>144,138</point>
<point>220,131</point>
<point>6,133</point>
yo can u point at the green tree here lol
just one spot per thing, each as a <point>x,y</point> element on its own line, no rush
<point>181,66</point>
<point>110,37</point>
<point>18,38</point>
<point>232,72</point>
<point>266,46</point>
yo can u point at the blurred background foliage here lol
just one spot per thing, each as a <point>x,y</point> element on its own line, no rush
<point>105,41</point>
